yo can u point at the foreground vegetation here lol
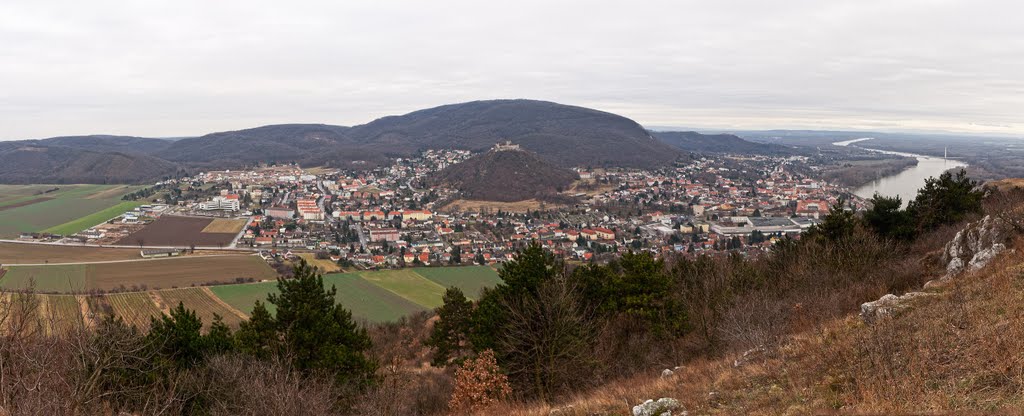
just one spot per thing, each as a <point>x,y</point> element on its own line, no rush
<point>769,334</point>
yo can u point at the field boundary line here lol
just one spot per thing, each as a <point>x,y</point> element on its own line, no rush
<point>226,305</point>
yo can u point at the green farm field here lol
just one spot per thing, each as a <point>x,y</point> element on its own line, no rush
<point>369,301</point>
<point>52,278</point>
<point>470,279</point>
<point>379,296</point>
<point>244,297</point>
<point>93,219</point>
<point>61,209</point>
<point>409,285</point>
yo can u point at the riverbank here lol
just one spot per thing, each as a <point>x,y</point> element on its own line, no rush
<point>905,183</point>
<point>858,173</point>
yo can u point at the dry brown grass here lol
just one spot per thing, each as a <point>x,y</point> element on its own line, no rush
<point>325,265</point>
<point>224,225</point>
<point>960,351</point>
<point>1006,184</point>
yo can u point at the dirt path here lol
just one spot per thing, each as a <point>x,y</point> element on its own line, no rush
<point>46,321</point>
<point>159,301</point>
<point>83,305</point>
<point>225,304</point>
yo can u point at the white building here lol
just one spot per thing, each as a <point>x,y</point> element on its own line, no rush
<point>224,203</point>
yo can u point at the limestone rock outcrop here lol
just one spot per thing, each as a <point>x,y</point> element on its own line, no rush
<point>975,246</point>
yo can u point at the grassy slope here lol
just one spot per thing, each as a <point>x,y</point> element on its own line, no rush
<point>958,351</point>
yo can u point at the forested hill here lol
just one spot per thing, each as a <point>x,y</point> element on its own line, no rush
<point>567,136</point>
<point>721,143</point>
<point>507,176</point>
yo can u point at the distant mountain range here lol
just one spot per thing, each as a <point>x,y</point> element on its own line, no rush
<point>721,143</point>
<point>565,136</point>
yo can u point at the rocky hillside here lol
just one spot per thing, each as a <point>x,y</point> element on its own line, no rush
<point>507,176</point>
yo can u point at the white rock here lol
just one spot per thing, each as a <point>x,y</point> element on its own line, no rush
<point>887,305</point>
<point>667,373</point>
<point>661,407</point>
<point>975,246</point>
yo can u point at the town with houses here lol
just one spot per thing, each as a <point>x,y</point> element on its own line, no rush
<point>387,217</point>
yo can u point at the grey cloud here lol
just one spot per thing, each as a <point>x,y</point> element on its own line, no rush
<point>176,68</point>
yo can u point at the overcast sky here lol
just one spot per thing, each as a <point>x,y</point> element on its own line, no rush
<point>182,67</point>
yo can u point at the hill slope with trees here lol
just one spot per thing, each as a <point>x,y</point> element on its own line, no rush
<point>563,135</point>
<point>721,143</point>
<point>507,176</point>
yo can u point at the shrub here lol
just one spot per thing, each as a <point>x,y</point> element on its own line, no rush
<point>479,384</point>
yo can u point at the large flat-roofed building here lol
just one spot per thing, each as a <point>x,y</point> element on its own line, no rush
<point>159,252</point>
<point>309,210</point>
<point>384,234</point>
<point>221,203</point>
<point>279,212</point>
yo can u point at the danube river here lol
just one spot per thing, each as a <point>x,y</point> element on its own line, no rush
<point>904,184</point>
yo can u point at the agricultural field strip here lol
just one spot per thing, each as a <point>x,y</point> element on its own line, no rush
<point>30,252</point>
<point>230,300</point>
<point>222,225</point>
<point>201,302</point>
<point>178,231</point>
<point>189,271</point>
<point>369,301</point>
<point>57,278</point>
<point>66,205</point>
<point>205,256</point>
<point>470,279</point>
<point>234,310</point>
<point>244,296</point>
<point>409,285</point>
<point>63,312</point>
<point>135,308</point>
<point>92,220</point>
